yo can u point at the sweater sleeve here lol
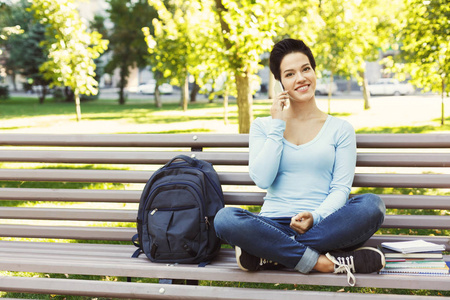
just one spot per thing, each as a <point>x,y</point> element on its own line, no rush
<point>265,146</point>
<point>343,173</point>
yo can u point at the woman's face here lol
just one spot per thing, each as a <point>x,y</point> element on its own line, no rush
<point>298,77</point>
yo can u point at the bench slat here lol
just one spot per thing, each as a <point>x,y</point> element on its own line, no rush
<point>162,291</point>
<point>118,157</point>
<point>208,140</point>
<point>226,178</point>
<point>70,195</point>
<point>68,232</point>
<point>113,196</point>
<point>125,140</point>
<point>406,140</point>
<point>231,198</point>
<point>113,215</point>
<point>126,233</point>
<point>403,160</point>
<point>402,180</point>
<point>116,250</point>
<point>69,214</point>
<point>416,201</point>
<point>122,176</point>
<point>216,158</point>
<point>417,221</point>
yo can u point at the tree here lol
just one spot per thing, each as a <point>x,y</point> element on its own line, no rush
<point>27,55</point>
<point>425,46</point>
<point>343,34</point>
<point>172,43</point>
<point>127,40</point>
<point>347,36</point>
<point>188,40</point>
<point>71,49</point>
<point>25,52</point>
<point>248,29</point>
<point>13,18</point>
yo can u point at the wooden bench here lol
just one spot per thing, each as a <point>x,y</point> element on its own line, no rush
<point>75,230</point>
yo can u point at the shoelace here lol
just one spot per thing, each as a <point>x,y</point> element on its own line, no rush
<point>344,265</point>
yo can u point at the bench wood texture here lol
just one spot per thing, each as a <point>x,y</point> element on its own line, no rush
<point>420,161</point>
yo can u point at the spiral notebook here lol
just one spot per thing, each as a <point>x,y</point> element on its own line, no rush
<point>418,271</point>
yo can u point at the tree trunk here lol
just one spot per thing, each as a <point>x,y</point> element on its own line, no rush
<point>185,93</point>
<point>442,102</point>
<point>244,102</point>
<point>13,79</point>
<point>69,94</point>
<point>194,91</point>
<point>366,93</point>
<point>77,105</point>
<point>122,84</point>
<point>158,102</point>
<point>43,94</point>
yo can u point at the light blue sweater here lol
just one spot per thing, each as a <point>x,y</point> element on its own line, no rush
<point>315,177</point>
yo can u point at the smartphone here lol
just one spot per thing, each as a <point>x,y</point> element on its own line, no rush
<point>278,88</point>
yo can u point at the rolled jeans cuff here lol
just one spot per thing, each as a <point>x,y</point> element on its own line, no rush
<point>308,261</point>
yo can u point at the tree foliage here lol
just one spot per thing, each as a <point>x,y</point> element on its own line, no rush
<point>172,43</point>
<point>425,44</point>
<point>423,37</point>
<point>127,40</point>
<point>71,49</point>
<point>343,34</point>
<point>25,53</point>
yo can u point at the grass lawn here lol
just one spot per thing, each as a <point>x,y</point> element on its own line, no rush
<point>399,115</point>
<point>25,115</point>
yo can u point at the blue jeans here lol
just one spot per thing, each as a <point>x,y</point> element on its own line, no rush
<point>271,238</point>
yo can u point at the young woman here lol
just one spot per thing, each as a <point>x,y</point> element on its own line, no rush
<point>306,160</point>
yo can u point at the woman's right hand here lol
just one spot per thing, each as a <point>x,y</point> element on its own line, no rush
<point>280,102</point>
<point>302,222</point>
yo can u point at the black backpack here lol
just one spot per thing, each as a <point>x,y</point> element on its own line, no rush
<point>175,221</point>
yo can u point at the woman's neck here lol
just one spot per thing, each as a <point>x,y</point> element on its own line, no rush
<point>304,111</point>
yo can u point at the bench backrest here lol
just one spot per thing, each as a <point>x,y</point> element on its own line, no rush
<point>39,167</point>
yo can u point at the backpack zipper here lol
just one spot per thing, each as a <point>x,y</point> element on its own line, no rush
<point>171,183</point>
<point>171,209</point>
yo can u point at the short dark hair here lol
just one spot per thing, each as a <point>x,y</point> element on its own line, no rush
<point>284,47</point>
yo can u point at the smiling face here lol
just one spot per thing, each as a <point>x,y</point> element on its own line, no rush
<point>298,76</point>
